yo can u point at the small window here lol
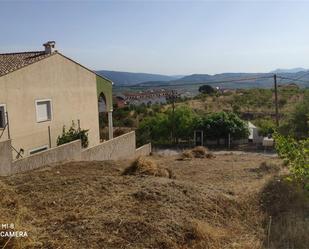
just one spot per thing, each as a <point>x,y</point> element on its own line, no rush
<point>43,110</point>
<point>2,116</point>
<point>37,150</point>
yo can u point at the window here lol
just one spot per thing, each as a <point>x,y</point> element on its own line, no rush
<point>2,116</point>
<point>37,150</point>
<point>43,110</point>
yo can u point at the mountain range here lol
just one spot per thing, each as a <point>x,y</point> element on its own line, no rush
<point>228,80</point>
<point>128,78</point>
<point>292,70</point>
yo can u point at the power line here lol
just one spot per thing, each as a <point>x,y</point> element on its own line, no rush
<point>307,73</point>
<point>297,79</point>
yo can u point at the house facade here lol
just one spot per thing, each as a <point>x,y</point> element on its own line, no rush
<point>43,91</point>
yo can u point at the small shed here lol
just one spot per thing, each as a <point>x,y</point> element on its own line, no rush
<point>254,134</point>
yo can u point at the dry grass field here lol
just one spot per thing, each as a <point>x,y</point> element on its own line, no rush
<point>218,202</point>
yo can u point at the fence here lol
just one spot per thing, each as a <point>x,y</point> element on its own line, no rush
<point>118,148</point>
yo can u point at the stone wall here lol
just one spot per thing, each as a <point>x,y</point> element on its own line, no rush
<point>118,148</point>
<point>67,152</point>
<point>5,158</point>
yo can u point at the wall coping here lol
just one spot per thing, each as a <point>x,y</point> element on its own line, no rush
<point>143,146</point>
<point>110,140</point>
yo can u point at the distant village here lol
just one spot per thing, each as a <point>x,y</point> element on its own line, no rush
<point>162,96</point>
<point>148,97</point>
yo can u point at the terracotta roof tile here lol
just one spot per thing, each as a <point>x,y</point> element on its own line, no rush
<point>12,61</point>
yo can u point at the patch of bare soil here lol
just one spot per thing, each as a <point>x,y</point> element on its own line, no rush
<point>210,203</point>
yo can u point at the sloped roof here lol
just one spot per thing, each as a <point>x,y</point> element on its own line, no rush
<point>12,61</point>
<point>250,125</point>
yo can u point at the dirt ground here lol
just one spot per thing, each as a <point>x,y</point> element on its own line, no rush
<point>209,203</point>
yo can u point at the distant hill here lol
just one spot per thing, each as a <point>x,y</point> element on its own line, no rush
<point>292,70</point>
<point>127,78</point>
<point>224,79</point>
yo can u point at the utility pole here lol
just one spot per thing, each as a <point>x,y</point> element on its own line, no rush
<point>173,119</point>
<point>276,100</point>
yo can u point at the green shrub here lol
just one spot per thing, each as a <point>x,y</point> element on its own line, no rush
<point>296,156</point>
<point>265,127</point>
<point>73,134</point>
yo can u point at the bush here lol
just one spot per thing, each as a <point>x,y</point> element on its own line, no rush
<point>265,127</point>
<point>296,155</point>
<point>119,131</point>
<point>206,89</point>
<point>73,134</point>
<point>297,123</point>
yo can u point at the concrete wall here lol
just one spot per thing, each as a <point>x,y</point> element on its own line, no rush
<point>72,90</point>
<point>118,148</point>
<point>67,152</point>
<point>122,147</point>
<point>144,150</point>
<point>5,158</point>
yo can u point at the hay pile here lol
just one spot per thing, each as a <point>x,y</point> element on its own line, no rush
<point>146,166</point>
<point>197,152</point>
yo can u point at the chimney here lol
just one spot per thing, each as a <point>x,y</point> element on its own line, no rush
<point>49,47</point>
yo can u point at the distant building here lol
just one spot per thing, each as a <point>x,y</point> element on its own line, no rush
<point>225,90</point>
<point>254,134</point>
<point>160,96</point>
<point>119,101</point>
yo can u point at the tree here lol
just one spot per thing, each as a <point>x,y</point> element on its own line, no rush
<point>155,129</point>
<point>297,124</point>
<point>265,127</point>
<point>183,119</point>
<point>221,124</point>
<point>206,89</point>
<point>158,128</point>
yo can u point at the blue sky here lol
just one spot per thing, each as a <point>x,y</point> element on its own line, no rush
<point>168,37</point>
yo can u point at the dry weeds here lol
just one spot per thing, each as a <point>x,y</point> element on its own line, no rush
<point>94,205</point>
<point>288,206</point>
<point>196,152</point>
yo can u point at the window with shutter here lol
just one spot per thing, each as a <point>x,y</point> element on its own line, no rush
<point>43,110</point>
